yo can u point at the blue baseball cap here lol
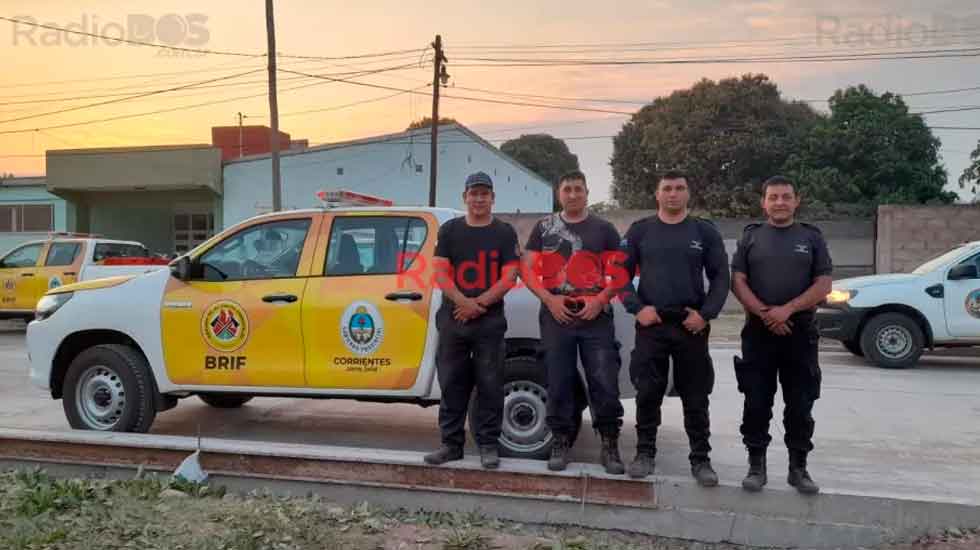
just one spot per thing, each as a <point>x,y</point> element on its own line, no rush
<point>479,178</point>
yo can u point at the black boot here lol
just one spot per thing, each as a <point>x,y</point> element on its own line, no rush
<point>756,478</point>
<point>798,476</point>
<point>609,456</point>
<point>489,457</point>
<point>704,473</point>
<point>559,453</point>
<point>444,454</point>
<point>643,464</point>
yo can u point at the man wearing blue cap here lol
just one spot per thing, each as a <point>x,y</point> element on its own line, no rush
<point>476,263</point>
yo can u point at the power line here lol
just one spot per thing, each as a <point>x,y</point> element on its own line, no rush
<point>198,50</point>
<point>557,98</point>
<point>464,98</point>
<point>871,56</point>
<point>169,110</point>
<point>950,110</point>
<point>114,77</point>
<point>361,102</point>
<point>465,46</point>
<point>247,83</point>
<point>127,98</point>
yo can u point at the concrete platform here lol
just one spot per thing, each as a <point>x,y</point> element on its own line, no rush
<point>520,490</point>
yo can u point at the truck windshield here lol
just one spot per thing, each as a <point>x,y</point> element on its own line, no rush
<point>939,261</point>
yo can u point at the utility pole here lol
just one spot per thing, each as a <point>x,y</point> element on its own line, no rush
<point>241,146</point>
<point>439,75</point>
<point>270,27</point>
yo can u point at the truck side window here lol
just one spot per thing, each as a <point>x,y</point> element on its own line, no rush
<point>975,260</point>
<point>60,254</point>
<point>25,256</point>
<point>105,251</point>
<point>373,245</point>
<point>267,251</point>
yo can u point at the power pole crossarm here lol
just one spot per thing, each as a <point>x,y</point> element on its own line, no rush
<point>438,73</point>
<point>270,26</point>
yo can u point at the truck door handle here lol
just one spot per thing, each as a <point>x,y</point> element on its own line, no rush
<point>396,296</point>
<point>69,273</point>
<point>288,298</point>
<point>26,274</point>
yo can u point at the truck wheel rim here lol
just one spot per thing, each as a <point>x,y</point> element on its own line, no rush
<point>101,397</point>
<point>894,342</point>
<point>525,407</point>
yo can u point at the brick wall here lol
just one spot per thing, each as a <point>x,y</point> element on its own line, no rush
<point>910,235</point>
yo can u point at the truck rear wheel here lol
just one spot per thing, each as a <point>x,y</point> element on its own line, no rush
<point>109,388</point>
<point>524,433</point>
<point>892,340</point>
<point>224,401</point>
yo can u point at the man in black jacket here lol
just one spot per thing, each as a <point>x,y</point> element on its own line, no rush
<point>674,251</point>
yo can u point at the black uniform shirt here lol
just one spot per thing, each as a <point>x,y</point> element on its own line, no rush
<point>673,260</point>
<point>574,255</point>
<point>477,254</point>
<point>781,263</point>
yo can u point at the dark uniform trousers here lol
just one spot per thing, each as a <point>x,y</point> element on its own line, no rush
<point>694,379</point>
<point>792,360</point>
<point>595,343</point>
<point>470,355</point>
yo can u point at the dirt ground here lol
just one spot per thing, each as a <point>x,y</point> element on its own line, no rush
<point>41,512</point>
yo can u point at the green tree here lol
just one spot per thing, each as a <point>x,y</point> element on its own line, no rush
<point>728,136</point>
<point>545,155</point>
<point>970,179</point>
<point>426,122</point>
<point>869,151</point>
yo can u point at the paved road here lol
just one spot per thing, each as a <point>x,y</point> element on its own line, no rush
<point>912,432</point>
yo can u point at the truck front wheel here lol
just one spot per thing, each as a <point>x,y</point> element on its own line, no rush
<point>524,432</point>
<point>109,388</point>
<point>892,340</point>
<point>853,346</point>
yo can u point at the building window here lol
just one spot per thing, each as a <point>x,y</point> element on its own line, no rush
<point>469,159</point>
<point>418,168</point>
<point>26,218</point>
<point>340,170</point>
<point>192,229</point>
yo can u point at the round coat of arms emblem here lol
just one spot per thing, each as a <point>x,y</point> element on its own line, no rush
<point>224,326</point>
<point>973,303</point>
<point>362,328</point>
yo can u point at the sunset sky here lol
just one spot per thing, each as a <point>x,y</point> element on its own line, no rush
<point>42,68</point>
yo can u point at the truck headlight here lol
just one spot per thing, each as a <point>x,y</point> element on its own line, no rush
<point>51,303</point>
<point>840,296</point>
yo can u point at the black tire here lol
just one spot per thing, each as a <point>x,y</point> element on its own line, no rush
<point>525,433</point>
<point>109,388</point>
<point>853,346</point>
<point>892,340</point>
<point>224,401</point>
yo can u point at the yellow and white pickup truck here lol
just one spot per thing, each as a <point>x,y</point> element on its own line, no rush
<point>311,303</point>
<point>33,268</point>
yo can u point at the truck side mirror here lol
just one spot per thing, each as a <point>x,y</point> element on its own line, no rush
<point>181,268</point>
<point>963,271</point>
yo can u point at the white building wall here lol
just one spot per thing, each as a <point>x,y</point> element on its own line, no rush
<point>385,168</point>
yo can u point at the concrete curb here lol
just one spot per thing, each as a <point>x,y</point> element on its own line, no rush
<point>676,507</point>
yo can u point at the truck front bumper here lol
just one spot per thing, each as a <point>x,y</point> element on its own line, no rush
<point>840,323</point>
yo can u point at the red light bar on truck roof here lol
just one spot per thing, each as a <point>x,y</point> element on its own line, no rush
<point>343,197</point>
